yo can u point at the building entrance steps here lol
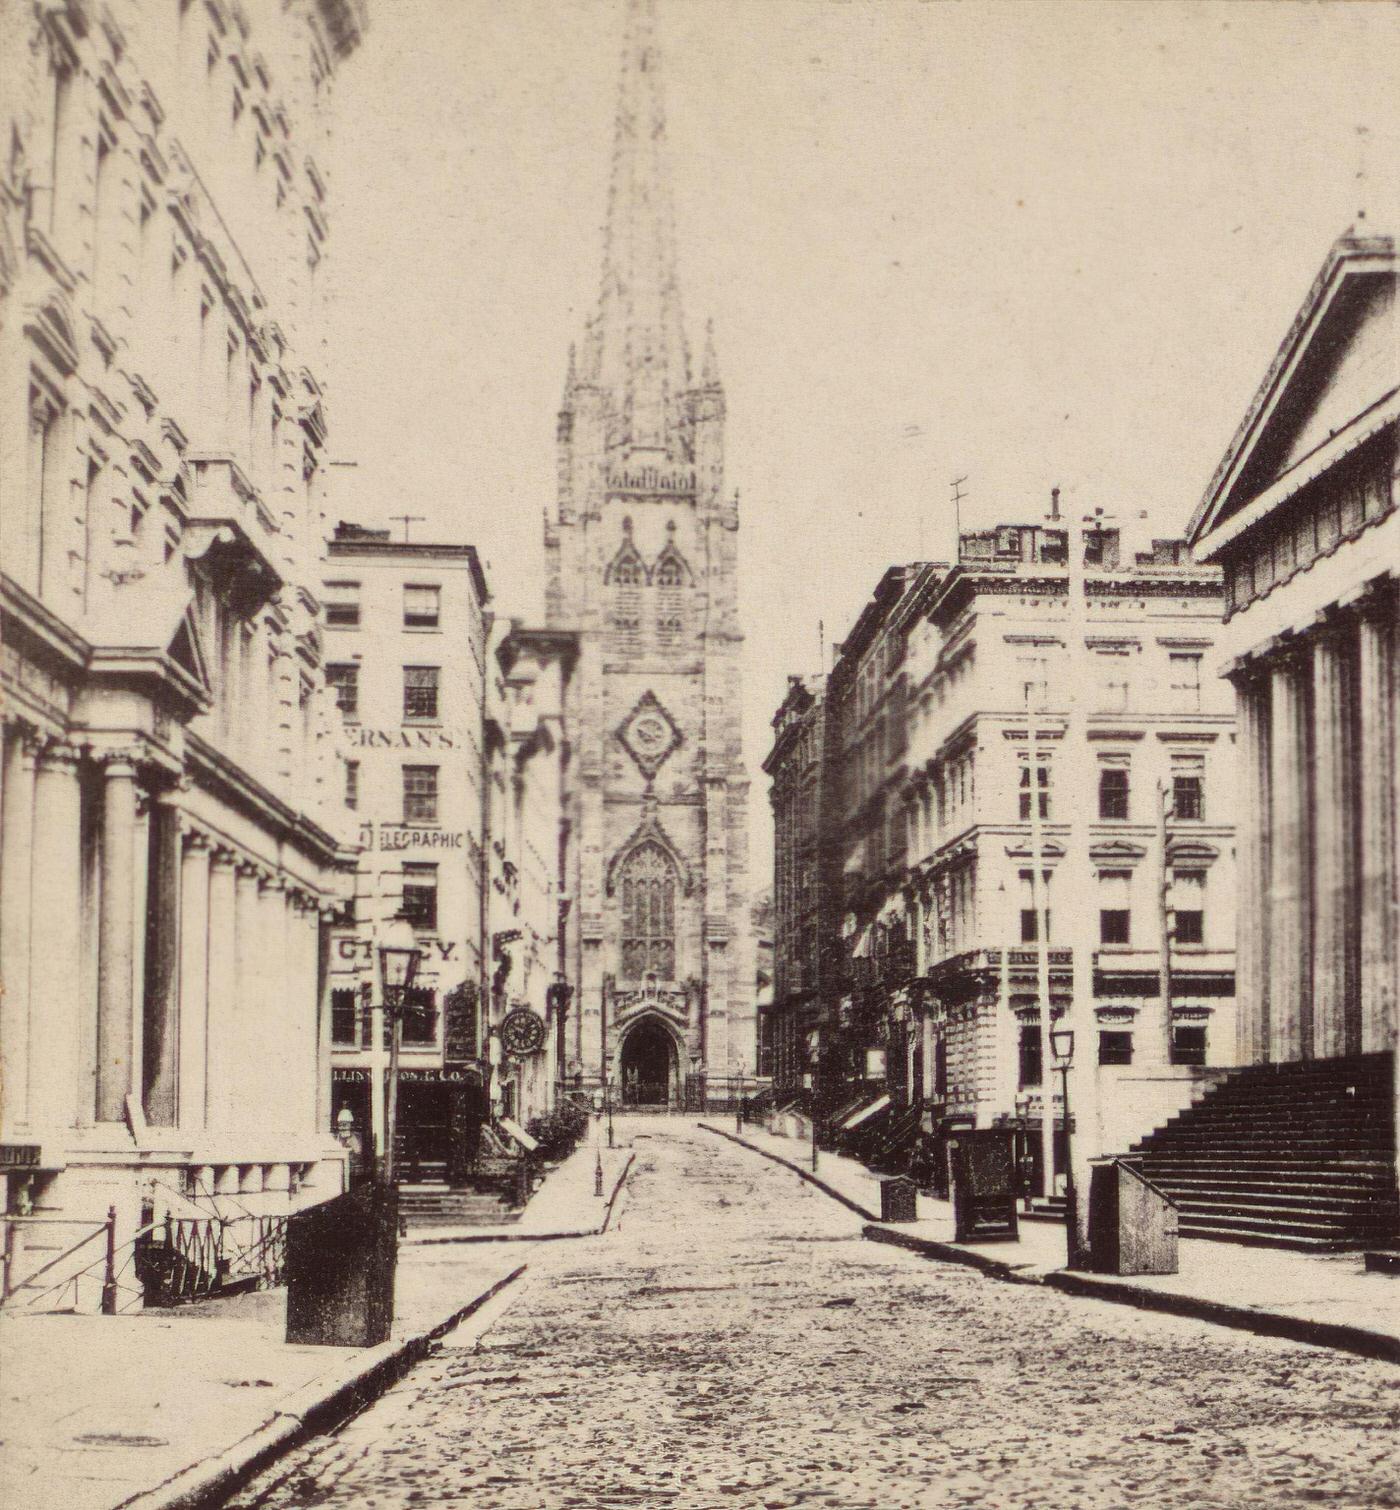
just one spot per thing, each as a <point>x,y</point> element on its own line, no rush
<point>1297,1156</point>
<point>1324,1298</point>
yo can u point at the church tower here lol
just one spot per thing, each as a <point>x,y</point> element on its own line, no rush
<point>641,547</point>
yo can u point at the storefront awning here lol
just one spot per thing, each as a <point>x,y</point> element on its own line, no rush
<point>868,1110</point>
<point>514,1130</point>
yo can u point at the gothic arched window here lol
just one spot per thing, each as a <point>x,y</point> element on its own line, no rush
<point>648,914</point>
<point>628,572</point>
<point>670,573</point>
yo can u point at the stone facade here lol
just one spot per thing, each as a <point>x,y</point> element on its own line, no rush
<point>642,551</point>
<point>1304,516</point>
<point>172,839</point>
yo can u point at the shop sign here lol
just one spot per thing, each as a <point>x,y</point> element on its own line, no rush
<point>19,1155</point>
<point>402,739</point>
<point>459,1014</point>
<point>394,836</point>
<point>408,1074</point>
<point>361,951</point>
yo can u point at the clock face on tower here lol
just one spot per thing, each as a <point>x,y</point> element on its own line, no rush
<point>649,735</point>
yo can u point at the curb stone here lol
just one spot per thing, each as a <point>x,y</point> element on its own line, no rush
<point>309,1411</point>
<point>1339,1336</point>
<point>1333,1334</point>
<point>806,1174</point>
<point>993,1268</point>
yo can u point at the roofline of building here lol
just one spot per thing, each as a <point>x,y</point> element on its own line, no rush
<point>412,551</point>
<point>1349,253</point>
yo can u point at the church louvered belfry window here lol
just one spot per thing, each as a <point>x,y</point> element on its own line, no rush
<point>648,914</point>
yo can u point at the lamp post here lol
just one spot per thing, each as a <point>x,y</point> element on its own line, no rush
<point>1062,1046</point>
<point>807,1085</point>
<point>1023,1151</point>
<point>399,955</point>
<point>608,1104</point>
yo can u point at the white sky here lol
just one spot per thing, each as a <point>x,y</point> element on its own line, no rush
<point>1032,243</point>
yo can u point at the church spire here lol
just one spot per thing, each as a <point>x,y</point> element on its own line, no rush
<point>637,350</point>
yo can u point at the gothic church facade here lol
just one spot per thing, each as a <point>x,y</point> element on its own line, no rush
<point>642,551</point>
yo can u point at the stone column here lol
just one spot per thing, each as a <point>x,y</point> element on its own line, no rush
<point>1334,849</point>
<point>246,1066</point>
<point>194,980</point>
<point>160,1038</point>
<point>271,1046</point>
<point>55,975</point>
<point>116,938</point>
<point>1379,784</point>
<point>1290,842</point>
<point>16,861</point>
<point>222,991</point>
<point>1252,837</point>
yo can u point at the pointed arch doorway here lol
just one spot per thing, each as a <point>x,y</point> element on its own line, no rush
<point>650,1066</point>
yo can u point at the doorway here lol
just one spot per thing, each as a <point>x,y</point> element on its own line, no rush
<point>648,1066</point>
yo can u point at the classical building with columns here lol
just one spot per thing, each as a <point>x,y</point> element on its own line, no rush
<point>641,549</point>
<point>172,835</point>
<point>1303,513</point>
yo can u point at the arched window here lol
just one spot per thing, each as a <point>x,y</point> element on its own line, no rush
<point>628,572</point>
<point>670,573</point>
<point>648,914</point>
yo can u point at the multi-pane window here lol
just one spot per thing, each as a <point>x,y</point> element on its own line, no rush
<point>421,606</point>
<point>420,794</point>
<point>1115,1048</point>
<point>1113,791</point>
<point>343,605</point>
<point>1115,911</point>
<point>1186,680</point>
<point>1188,893</point>
<point>1188,1045</point>
<point>1031,1069</point>
<point>420,896</point>
<point>352,784</point>
<point>1042,774</point>
<point>648,914</point>
<point>1188,795</point>
<point>420,694</point>
<point>670,573</point>
<point>345,1015</point>
<point>344,681</point>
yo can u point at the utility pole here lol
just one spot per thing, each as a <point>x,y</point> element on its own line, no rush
<point>958,496</point>
<point>1041,913</point>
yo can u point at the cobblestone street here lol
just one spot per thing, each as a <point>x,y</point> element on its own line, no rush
<point>734,1341</point>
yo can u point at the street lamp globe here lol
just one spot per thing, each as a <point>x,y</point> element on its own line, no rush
<point>1062,1045</point>
<point>399,955</point>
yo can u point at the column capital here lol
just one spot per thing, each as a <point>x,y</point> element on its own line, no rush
<point>119,764</point>
<point>1377,600</point>
<point>56,754</point>
<point>222,856</point>
<point>248,870</point>
<point>196,839</point>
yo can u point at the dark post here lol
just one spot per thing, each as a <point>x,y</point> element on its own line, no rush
<point>109,1267</point>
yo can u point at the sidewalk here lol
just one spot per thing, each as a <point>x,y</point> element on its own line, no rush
<point>564,1206</point>
<point>160,1408</point>
<point>1325,1299</point>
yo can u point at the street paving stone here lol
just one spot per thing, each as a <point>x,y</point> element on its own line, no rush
<point>734,1342</point>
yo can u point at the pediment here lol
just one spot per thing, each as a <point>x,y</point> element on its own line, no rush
<point>1340,358</point>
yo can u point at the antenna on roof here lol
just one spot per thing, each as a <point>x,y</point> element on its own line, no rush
<point>821,646</point>
<point>1362,135</point>
<point>406,520</point>
<point>958,496</point>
